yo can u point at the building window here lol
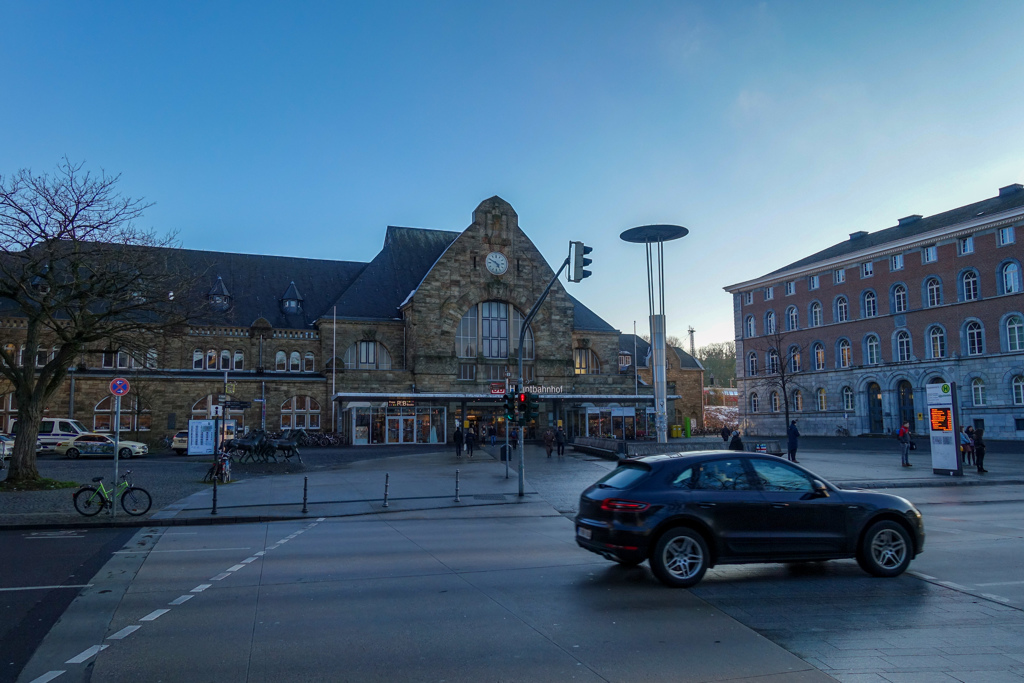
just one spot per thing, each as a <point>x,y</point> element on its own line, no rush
<point>769,293</point>
<point>281,361</point>
<point>965,245</point>
<point>822,405</point>
<point>151,359</point>
<point>1018,391</point>
<point>750,326</point>
<point>873,348</point>
<point>494,329</point>
<point>308,362</point>
<point>1015,333</point>
<point>813,282</point>
<point>108,360</point>
<point>870,305</point>
<point>934,290</point>
<point>847,398</point>
<point>899,299</point>
<point>586,362</point>
<point>867,269</point>
<point>225,360</point>
<point>769,322</point>
<point>774,401</point>
<point>903,346</point>
<point>364,355</point>
<point>798,400</point>
<point>978,392</point>
<point>300,412</point>
<point>839,276</point>
<point>517,324</point>
<point>197,359</point>
<point>896,262</point>
<point>969,286</point>
<point>753,403</point>
<point>975,339</point>
<point>792,318</point>
<point>937,342</point>
<point>819,357</point>
<point>842,310</point>
<point>492,336</point>
<point>465,336</point>
<point>845,354</point>
<point>930,254</point>
<point>134,415</point>
<point>467,371</point>
<point>752,364</point>
<point>239,360</point>
<point>772,366</point>
<point>1011,278</point>
<point>791,288</point>
<point>294,362</point>
<point>211,359</point>
<point>1005,236</point>
<point>815,314</point>
<point>748,298</point>
<point>794,359</point>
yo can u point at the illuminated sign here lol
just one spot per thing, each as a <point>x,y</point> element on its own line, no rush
<point>941,419</point>
<point>401,403</point>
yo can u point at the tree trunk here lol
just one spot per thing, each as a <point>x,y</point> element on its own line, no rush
<point>23,457</point>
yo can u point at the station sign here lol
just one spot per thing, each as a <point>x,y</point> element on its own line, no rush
<point>943,429</point>
<point>401,403</point>
<point>497,388</point>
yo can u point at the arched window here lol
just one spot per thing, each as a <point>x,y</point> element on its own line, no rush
<point>775,401</point>
<point>969,285</point>
<point>135,416</point>
<point>751,331</point>
<point>300,412</point>
<point>899,299</point>
<point>281,361</point>
<point>1011,278</point>
<point>794,359</point>
<point>367,355</point>
<point>151,359</point>
<point>752,363</point>
<point>753,403</point>
<point>937,342</point>
<point>872,350</point>
<point>294,362</point>
<point>586,362</point>
<point>308,362</point>
<point>978,391</point>
<point>1015,333</point>
<point>822,405</point>
<point>934,291</point>
<point>239,360</point>
<point>769,322</point>
<point>211,359</point>
<point>816,314</point>
<point>845,354</point>
<point>842,310</point>
<point>1018,390</point>
<point>466,335</point>
<point>903,346</point>
<point>798,400</point>
<point>225,360</point>
<point>847,398</point>
<point>792,318</point>
<point>485,329</point>
<point>870,305</point>
<point>819,357</point>
<point>197,359</point>
<point>772,366</point>
<point>975,338</point>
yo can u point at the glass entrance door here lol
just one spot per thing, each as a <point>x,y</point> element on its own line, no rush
<point>906,403</point>
<point>875,408</point>
<point>394,429</point>
<point>408,429</point>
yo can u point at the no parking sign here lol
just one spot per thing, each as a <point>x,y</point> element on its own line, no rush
<point>119,386</point>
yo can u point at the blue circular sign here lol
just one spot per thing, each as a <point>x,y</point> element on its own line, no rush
<point>120,386</point>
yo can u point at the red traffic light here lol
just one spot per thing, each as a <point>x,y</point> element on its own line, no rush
<point>522,398</point>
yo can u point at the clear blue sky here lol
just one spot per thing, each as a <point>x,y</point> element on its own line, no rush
<point>770,130</point>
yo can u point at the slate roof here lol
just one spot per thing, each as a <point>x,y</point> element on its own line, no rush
<point>643,351</point>
<point>585,319</point>
<point>1011,199</point>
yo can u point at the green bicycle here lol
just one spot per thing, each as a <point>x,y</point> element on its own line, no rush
<point>89,500</point>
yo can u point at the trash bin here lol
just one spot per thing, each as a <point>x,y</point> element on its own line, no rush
<point>506,450</point>
<point>677,431</point>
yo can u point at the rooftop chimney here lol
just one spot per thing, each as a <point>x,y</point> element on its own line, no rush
<point>1010,189</point>
<point>907,220</point>
<point>857,235</point>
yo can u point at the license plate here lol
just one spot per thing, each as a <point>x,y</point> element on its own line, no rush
<point>584,533</point>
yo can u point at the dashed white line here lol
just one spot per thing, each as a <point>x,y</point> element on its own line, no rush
<point>320,519</point>
<point>249,559</point>
<point>955,586</point>
<point>236,567</point>
<point>86,654</point>
<point>155,614</point>
<point>200,588</point>
<point>125,632</point>
<point>220,577</point>
<point>180,600</point>
<point>48,676</point>
<point>182,550</point>
<point>997,598</point>
<point>1001,583</point>
<point>261,553</point>
<point>46,588</point>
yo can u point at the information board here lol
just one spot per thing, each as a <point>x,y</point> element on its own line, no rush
<point>200,437</point>
<point>942,422</point>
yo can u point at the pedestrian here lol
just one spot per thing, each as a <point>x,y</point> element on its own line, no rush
<point>560,441</point>
<point>903,436</point>
<point>979,451</point>
<point>457,438</point>
<point>726,433</point>
<point>549,441</point>
<point>736,444</point>
<point>513,438</point>
<point>965,447</point>
<point>470,441</point>
<point>793,433</point>
<point>493,433</point>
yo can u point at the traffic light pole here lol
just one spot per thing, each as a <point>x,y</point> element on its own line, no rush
<point>521,386</point>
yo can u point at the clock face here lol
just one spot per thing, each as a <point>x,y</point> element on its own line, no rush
<point>496,262</point>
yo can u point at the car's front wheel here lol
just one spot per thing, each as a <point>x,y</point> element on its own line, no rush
<point>125,453</point>
<point>72,453</point>
<point>680,558</point>
<point>886,549</point>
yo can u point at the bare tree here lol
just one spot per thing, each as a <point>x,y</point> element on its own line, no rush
<point>719,359</point>
<point>783,365</point>
<point>78,277</point>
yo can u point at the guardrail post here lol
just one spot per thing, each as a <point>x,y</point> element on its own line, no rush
<point>214,510</point>
<point>457,487</point>
<point>387,477</point>
<point>305,495</point>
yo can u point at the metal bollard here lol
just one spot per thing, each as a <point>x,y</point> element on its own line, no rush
<point>457,487</point>
<point>387,477</point>
<point>214,510</point>
<point>305,495</point>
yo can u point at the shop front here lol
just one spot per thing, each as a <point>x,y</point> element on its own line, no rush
<point>397,421</point>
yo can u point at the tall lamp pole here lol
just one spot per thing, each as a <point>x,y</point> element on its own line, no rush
<point>654,237</point>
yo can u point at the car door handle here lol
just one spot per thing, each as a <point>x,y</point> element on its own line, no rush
<point>780,505</point>
<point>706,506</point>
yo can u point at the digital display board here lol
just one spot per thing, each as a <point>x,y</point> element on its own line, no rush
<point>941,419</point>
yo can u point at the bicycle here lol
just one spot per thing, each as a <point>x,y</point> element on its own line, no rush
<point>220,470</point>
<point>842,431</point>
<point>89,500</point>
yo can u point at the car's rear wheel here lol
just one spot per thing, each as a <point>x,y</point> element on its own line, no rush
<point>680,558</point>
<point>886,549</point>
<point>72,453</point>
<point>179,451</point>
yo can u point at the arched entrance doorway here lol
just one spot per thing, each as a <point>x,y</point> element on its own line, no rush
<point>905,400</point>
<point>876,424</point>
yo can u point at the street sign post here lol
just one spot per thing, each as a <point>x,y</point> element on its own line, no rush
<point>944,430</point>
<point>119,387</point>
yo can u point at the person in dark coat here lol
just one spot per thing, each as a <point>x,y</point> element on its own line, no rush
<point>470,441</point>
<point>493,433</point>
<point>726,433</point>
<point>736,444</point>
<point>549,441</point>
<point>457,438</point>
<point>560,441</point>
<point>794,434</point>
<point>979,450</point>
<point>513,438</point>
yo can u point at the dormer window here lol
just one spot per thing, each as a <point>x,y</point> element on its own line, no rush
<point>291,305</point>
<point>220,298</point>
<point>291,302</point>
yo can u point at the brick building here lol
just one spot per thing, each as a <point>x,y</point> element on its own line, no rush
<point>391,351</point>
<point>859,329</point>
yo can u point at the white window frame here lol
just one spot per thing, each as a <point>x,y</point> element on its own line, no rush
<point>965,245</point>
<point>822,399</point>
<point>873,350</point>
<point>933,290</point>
<point>791,288</point>
<point>792,318</point>
<point>819,356</point>
<point>839,276</point>
<point>769,293</point>
<point>937,342</point>
<point>895,262</point>
<point>748,298</point>
<point>930,254</point>
<point>848,399</point>
<point>842,310</point>
<point>1010,272</point>
<point>904,346</point>
<point>867,269</point>
<point>1017,386</point>
<point>1015,333</point>
<point>845,353</point>
<point>978,397</point>
<point>899,299</point>
<point>813,282</point>
<point>816,314</point>
<point>1005,236</point>
<point>971,293</point>
<point>975,335</point>
<point>870,305</point>
<point>770,322</point>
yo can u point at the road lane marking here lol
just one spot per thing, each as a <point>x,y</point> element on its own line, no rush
<point>220,577</point>
<point>956,586</point>
<point>125,632</point>
<point>236,567</point>
<point>155,614</point>
<point>87,653</point>
<point>46,588</point>
<point>200,588</point>
<point>48,676</point>
<point>320,519</point>
<point>184,550</point>
<point>180,600</point>
<point>260,553</point>
<point>923,576</point>
<point>997,598</point>
<point>1000,583</point>
<point>249,559</point>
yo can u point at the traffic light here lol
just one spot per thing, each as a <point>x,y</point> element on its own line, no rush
<point>532,407</point>
<point>521,399</point>
<point>579,261</point>
<point>510,406</point>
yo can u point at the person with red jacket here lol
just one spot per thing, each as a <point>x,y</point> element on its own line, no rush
<point>903,436</point>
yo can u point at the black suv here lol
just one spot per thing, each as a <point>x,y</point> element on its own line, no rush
<point>687,512</point>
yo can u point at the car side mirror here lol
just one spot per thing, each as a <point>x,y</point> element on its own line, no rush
<point>820,490</point>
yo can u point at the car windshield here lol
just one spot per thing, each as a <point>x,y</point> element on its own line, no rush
<point>624,476</point>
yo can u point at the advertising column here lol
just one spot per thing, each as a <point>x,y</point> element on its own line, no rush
<point>945,433</point>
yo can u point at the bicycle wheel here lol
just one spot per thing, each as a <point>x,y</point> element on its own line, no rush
<point>88,501</point>
<point>136,501</point>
